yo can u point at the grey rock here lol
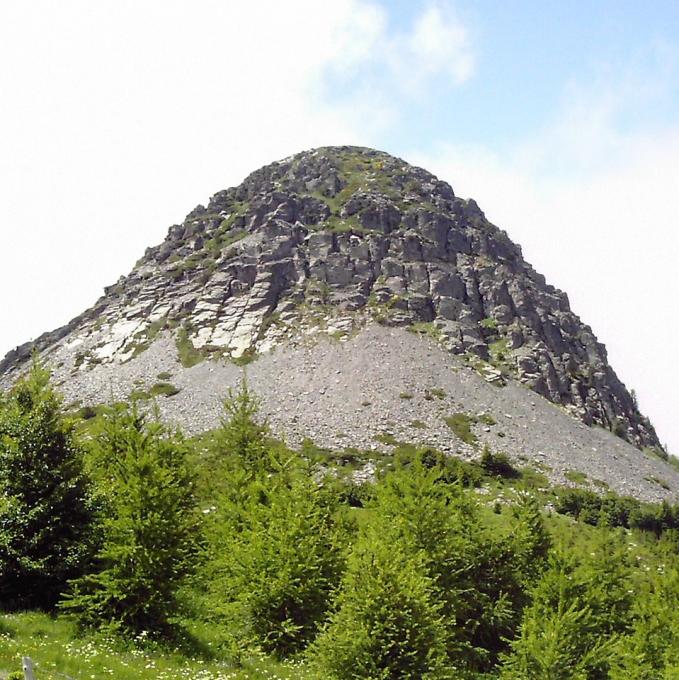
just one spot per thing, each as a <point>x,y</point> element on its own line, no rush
<point>283,254</point>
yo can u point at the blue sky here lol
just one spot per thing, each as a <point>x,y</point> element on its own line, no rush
<point>561,119</point>
<point>528,56</point>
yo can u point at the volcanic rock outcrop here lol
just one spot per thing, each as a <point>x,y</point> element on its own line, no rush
<point>333,239</point>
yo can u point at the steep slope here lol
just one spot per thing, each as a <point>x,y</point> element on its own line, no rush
<point>331,242</point>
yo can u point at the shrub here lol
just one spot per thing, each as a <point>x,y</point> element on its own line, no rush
<point>188,355</point>
<point>575,476</point>
<point>164,389</point>
<point>461,425</point>
<point>498,464</point>
<point>450,470</point>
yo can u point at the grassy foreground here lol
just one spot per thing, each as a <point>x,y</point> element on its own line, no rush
<point>58,651</point>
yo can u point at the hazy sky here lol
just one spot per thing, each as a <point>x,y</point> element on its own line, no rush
<point>561,119</point>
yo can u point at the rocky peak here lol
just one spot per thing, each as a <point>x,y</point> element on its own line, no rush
<point>332,239</point>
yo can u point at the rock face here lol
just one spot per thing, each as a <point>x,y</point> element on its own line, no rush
<point>331,240</point>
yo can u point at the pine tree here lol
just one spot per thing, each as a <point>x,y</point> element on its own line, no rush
<point>276,558</point>
<point>478,578</point>
<point>387,623</point>
<point>242,439</point>
<point>46,512</point>
<point>151,530</point>
<point>579,611</point>
<point>276,542</point>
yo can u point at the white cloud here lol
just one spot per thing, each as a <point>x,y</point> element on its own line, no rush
<point>391,65</point>
<point>440,43</point>
<point>595,209</point>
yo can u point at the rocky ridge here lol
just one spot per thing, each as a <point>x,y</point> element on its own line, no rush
<point>333,239</point>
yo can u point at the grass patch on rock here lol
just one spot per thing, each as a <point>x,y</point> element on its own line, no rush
<point>461,425</point>
<point>188,355</point>
<point>575,476</point>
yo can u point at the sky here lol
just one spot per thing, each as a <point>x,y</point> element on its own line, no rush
<point>117,117</point>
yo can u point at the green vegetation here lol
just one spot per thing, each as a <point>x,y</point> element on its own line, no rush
<point>246,358</point>
<point>488,324</point>
<point>498,464</point>
<point>499,353</point>
<point>47,513</point>
<point>188,355</point>
<point>149,532</point>
<point>60,648</point>
<point>426,328</point>
<point>164,389</point>
<point>387,438</point>
<point>142,339</point>
<point>387,623</point>
<point>344,225</point>
<point>659,481</point>
<point>461,425</point>
<point>161,389</point>
<point>575,476</point>
<point>230,555</point>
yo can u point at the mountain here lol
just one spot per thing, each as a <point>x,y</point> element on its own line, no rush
<point>373,306</point>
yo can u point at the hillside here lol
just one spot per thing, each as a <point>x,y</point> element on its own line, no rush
<point>370,304</point>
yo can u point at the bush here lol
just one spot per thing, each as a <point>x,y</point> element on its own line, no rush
<point>150,529</point>
<point>498,464</point>
<point>164,389</point>
<point>47,524</point>
<point>461,425</point>
<point>450,469</point>
<point>618,511</point>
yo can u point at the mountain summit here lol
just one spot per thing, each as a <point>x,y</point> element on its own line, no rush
<point>328,256</point>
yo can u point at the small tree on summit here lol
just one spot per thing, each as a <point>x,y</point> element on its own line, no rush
<point>46,512</point>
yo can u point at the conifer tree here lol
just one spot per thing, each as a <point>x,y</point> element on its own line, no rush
<point>478,578</point>
<point>46,512</point>
<point>388,622</point>
<point>276,544</point>
<point>151,530</point>
<point>579,611</point>
<point>242,438</point>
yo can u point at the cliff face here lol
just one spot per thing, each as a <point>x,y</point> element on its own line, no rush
<point>331,240</point>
